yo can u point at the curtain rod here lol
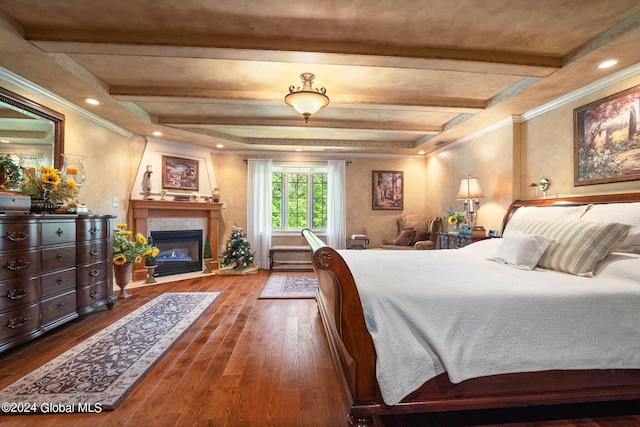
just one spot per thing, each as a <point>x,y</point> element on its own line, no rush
<point>302,162</point>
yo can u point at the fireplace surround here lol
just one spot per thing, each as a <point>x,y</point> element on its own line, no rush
<point>145,209</point>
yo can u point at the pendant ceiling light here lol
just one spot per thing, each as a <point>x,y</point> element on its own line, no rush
<point>306,100</point>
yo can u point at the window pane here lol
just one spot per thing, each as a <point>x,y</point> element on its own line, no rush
<point>297,183</point>
<point>319,219</point>
<point>276,201</point>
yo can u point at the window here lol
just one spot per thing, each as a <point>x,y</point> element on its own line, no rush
<point>299,197</point>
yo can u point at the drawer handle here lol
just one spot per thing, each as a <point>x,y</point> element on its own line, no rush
<point>94,273</point>
<point>18,265</point>
<point>94,252</point>
<point>17,294</point>
<point>93,230</point>
<point>60,304</point>
<point>16,236</point>
<point>59,281</point>
<point>59,256</point>
<point>59,232</point>
<point>17,323</point>
<point>94,294</point>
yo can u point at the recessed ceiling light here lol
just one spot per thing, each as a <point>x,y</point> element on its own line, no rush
<point>92,101</point>
<point>5,141</point>
<point>157,133</point>
<point>609,63</point>
<point>219,146</point>
<point>298,149</point>
<point>421,152</point>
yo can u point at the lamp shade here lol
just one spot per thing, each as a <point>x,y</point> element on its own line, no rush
<point>306,102</point>
<point>470,189</point>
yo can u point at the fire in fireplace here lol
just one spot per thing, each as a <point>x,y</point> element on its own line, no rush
<point>180,251</point>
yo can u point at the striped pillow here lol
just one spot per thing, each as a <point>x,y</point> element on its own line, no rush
<point>578,245</point>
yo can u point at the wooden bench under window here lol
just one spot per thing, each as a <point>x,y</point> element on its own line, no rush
<point>290,264</point>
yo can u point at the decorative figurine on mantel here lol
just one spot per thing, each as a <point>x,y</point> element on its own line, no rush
<point>146,183</point>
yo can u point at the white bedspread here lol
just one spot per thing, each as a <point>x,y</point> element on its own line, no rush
<point>455,311</point>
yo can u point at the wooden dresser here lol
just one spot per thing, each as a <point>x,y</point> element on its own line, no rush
<point>42,283</point>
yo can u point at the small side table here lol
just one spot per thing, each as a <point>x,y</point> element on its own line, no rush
<point>454,240</point>
<point>357,243</point>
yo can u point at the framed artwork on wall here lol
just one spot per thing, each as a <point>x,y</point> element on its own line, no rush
<point>388,190</point>
<point>179,173</point>
<point>606,135</point>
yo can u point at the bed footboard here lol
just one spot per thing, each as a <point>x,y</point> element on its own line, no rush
<point>343,318</point>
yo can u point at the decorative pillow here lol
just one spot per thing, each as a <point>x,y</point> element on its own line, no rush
<point>559,212</point>
<point>626,213</point>
<point>578,245</point>
<point>522,250</point>
<point>420,236</point>
<point>405,237</point>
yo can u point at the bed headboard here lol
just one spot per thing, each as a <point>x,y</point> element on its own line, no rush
<point>569,201</point>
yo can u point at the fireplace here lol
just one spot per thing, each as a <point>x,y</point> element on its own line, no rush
<point>180,251</point>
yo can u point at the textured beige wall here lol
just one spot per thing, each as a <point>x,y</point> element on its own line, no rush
<point>490,158</point>
<point>548,149</point>
<point>231,175</point>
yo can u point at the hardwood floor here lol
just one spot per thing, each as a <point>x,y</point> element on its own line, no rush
<point>250,362</point>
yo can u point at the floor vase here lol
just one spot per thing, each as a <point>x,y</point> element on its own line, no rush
<point>122,274</point>
<point>151,271</point>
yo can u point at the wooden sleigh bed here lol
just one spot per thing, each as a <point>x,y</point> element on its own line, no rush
<point>354,353</point>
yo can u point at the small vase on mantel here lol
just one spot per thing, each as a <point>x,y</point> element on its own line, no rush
<point>216,195</point>
<point>122,274</point>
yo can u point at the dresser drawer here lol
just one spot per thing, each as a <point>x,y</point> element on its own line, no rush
<point>16,236</point>
<point>17,293</point>
<point>18,265</point>
<point>90,274</point>
<point>19,321</point>
<point>58,258</point>
<point>92,252</point>
<point>58,307</point>
<point>90,295</point>
<point>58,282</point>
<point>91,229</point>
<point>58,232</point>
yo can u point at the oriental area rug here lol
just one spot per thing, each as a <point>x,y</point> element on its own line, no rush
<point>290,285</point>
<point>98,373</point>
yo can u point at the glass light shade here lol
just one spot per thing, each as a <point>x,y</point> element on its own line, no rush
<point>73,168</point>
<point>470,189</point>
<point>306,102</point>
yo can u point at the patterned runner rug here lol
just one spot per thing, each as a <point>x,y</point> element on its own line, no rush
<point>98,373</point>
<point>290,285</point>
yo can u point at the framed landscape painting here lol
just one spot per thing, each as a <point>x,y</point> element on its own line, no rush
<point>607,139</point>
<point>179,173</point>
<point>388,190</point>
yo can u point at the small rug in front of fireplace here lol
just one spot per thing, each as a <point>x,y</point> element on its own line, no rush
<point>98,373</point>
<point>290,285</point>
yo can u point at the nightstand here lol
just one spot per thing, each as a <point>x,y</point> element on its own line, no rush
<point>455,240</point>
<point>357,243</point>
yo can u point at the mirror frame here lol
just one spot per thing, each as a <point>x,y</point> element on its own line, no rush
<point>46,113</point>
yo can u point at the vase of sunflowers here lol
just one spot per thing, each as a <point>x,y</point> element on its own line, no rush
<point>46,188</point>
<point>127,251</point>
<point>455,219</point>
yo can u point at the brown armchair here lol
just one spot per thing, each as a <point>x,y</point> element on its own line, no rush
<point>415,231</point>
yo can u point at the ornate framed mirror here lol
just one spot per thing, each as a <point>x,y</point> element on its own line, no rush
<point>27,127</point>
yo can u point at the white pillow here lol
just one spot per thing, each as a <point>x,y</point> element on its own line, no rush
<point>559,212</point>
<point>625,213</point>
<point>578,245</point>
<point>522,250</point>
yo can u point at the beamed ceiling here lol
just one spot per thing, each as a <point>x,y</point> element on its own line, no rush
<point>402,76</point>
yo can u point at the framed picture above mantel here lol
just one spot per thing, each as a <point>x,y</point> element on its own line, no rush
<point>179,173</point>
<point>387,190</point>
<point>607,139</point>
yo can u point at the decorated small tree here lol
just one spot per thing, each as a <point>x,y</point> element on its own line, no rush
<point>207,256</point>
<point>237,252</point>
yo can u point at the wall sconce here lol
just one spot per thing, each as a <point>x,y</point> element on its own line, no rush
<point>306,101</point>
<point>470,192</point>
<point>542,185</point>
